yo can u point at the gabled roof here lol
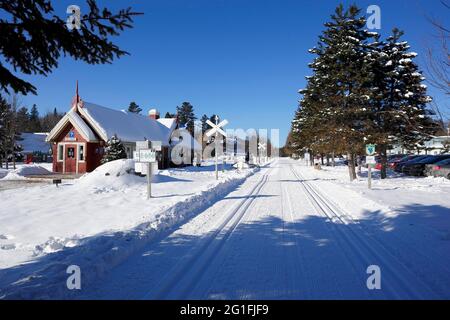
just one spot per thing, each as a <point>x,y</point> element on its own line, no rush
<point>170,123</point>
<point>74,118</point>
<point>128,126</point>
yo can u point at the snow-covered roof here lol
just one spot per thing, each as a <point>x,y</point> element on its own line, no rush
<point>127,126</point>
<point>170,123</point>
<point>74,118</point>
<point>34,142</point>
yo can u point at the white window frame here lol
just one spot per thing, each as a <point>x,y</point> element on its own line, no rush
<point>60,149</point>
<point>78,152</point>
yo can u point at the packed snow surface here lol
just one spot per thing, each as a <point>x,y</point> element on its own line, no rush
<point>92,218</point>
<point>286,232</point>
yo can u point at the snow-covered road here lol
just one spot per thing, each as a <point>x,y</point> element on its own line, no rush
<point>281,236</point>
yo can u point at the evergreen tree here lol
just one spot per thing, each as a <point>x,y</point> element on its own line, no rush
<point>4,109</point>
<point>35,125</point>
<point>186,116</point>
<point>23,120</point>
<point>134,108</point>
<point>33,25</point>
<point>170,115</point>
<point>9,135</point>
<point>203,122</point>
<point>333,110</point>
<point>398,104</point>
<point>114,150</point>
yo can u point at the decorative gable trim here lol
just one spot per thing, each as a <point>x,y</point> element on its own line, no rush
<point>79,124</point>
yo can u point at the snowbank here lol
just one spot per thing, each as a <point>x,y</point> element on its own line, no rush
<point>95,222</point>
<point>116,175</point>
<point>24,170</point>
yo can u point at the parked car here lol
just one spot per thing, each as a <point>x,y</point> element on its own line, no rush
<point>399,166</point>
<point>417,168</point>
<point>439,169</point>
<point>390,159</point>
<point>392,163</point>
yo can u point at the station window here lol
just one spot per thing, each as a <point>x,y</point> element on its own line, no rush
<point>60,152</point>
<point>81,152</point>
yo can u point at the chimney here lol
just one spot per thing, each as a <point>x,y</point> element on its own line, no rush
<point>153,114</point>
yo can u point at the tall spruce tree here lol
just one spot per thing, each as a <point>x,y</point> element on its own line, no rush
<point>398,101</point>
<point>9,135</point>
<point>337,93</point>
<point>35,125</point>
<point>4,110</point>
<point>23,120</point>
<point>114,150</point>
<point>203,120</point>
<point>186,116</point>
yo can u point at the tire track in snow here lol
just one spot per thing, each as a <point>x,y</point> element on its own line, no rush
<point>329,271</point>
<point>190,268</point>
<point>394,277</point>
<point>231,252</point>
<point>300,273</point>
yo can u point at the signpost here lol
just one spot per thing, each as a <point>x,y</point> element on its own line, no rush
<point>148,156</point>
<point>216,129</point>
<point>370,161</point>
<point>145,154</point>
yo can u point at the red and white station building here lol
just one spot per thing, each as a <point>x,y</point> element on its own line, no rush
<point>79,138</point>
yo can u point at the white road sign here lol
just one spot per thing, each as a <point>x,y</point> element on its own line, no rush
<point>371,160</point>
<point>147,155</point>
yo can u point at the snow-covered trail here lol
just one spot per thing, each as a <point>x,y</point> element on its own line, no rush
<point>276,237</point>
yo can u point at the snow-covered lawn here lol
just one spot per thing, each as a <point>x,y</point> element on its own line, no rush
<point>23,169</point>
<point>109,204</point>
<point>411,215</point>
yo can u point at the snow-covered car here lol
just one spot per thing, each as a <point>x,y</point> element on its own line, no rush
<point>418,168</point>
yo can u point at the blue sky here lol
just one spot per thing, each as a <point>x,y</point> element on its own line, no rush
<point>242,59</point>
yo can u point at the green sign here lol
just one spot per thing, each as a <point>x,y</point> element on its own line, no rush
<point>370,149</point>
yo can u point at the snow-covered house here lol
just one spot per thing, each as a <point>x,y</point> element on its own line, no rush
<point>434,146</point>
<point>79,138</point>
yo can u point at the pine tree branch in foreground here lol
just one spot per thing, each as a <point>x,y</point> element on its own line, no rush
<point>32,39</point>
